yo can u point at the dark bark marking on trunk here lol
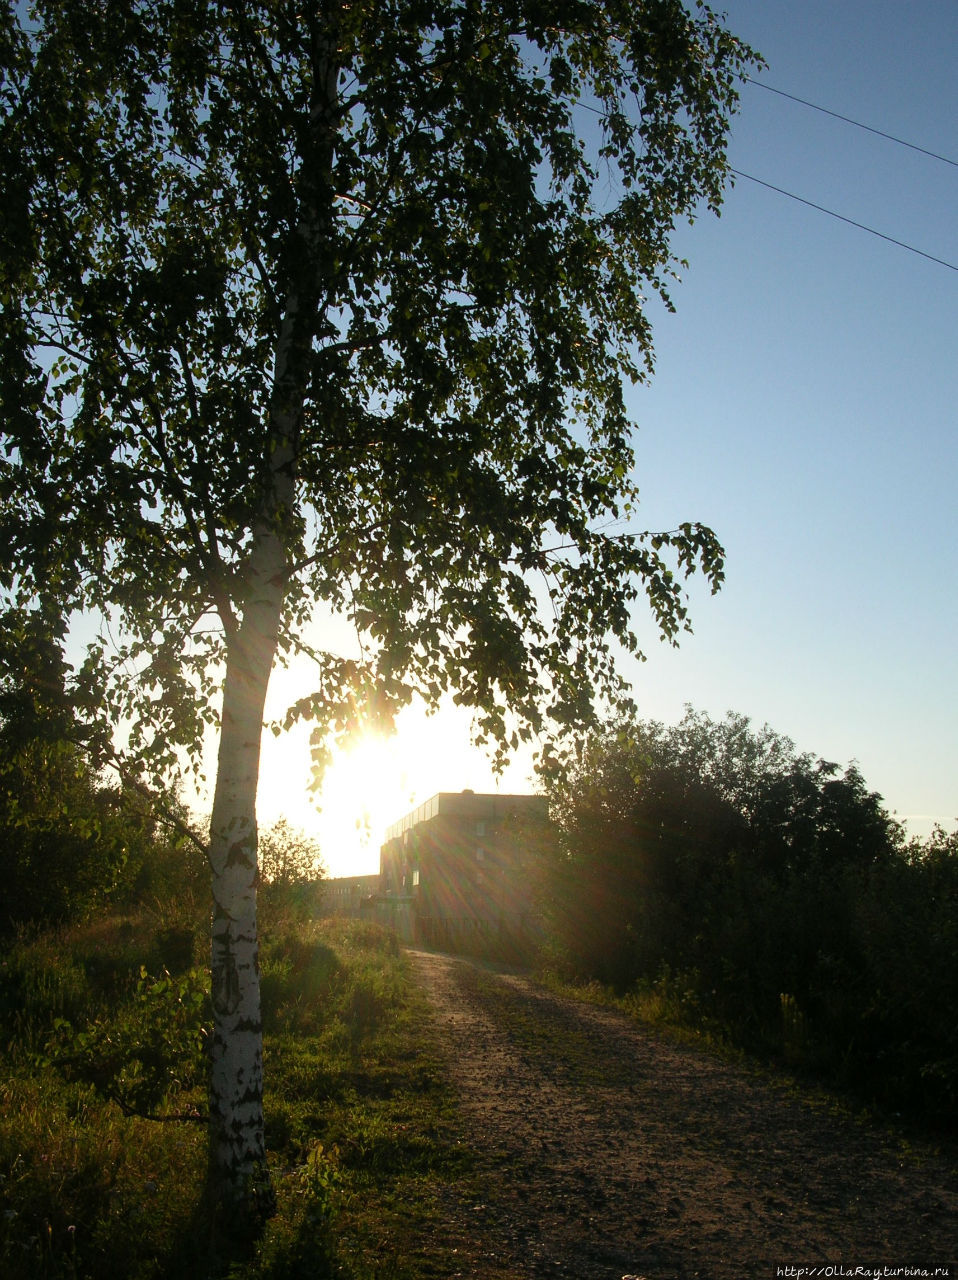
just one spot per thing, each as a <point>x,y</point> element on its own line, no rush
<point>225,979</point>
<point>238,854</point>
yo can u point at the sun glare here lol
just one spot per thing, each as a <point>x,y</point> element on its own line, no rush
<point>373,782</point>
<point>366,787</point>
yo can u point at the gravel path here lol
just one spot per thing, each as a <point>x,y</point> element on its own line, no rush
<point>606,1152</point>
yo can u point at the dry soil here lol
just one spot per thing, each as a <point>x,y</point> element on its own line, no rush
<point>608,1150</point>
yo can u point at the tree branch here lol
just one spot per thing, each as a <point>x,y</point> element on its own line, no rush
<point>159,808</point>
<point>177,1117</point>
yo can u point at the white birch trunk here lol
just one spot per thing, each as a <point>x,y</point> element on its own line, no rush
<point>237,1147</point>
<point>239,1180</point>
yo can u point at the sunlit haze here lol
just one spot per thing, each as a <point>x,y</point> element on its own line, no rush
<point>373,782</point>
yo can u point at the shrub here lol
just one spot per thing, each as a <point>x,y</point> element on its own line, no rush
<point>773,889</point>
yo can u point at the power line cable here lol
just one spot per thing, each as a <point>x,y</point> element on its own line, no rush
<point>857,123</point>
<point>820,207</point>
<point>841,218</point>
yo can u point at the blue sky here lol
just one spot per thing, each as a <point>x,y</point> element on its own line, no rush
<point>803,405</point>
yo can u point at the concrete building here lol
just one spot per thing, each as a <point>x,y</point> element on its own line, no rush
<point>349,896</point>
<point>456,873</point>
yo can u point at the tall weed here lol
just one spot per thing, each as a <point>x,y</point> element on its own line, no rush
<point>86,1191</point>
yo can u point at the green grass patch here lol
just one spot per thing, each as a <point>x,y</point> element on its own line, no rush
<point>669,1004</point>
<point>362,1133</point>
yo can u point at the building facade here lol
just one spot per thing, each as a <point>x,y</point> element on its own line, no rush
<point>456,872</point>
<point>349,896</point>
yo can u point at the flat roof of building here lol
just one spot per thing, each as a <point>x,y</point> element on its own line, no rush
<point>351,882</point>
<point>490,805</point>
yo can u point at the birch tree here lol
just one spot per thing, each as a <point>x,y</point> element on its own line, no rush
<point>326,309</point>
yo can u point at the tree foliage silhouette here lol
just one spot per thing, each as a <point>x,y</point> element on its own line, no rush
<point>326,310</point>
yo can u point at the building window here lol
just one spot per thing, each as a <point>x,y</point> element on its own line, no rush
<point>480,828</point>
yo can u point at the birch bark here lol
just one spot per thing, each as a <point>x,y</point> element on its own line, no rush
<point>237,1147</point>
<point>238,1175</point>
<point>238,1172</point>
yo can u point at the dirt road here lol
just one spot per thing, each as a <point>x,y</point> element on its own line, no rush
<point>606,1151</point>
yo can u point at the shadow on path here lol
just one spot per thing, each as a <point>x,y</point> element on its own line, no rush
<point>607,1151</point>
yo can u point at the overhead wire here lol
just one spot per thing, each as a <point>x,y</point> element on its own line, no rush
<point>820,208</point>
<point>912,146</point>
<point>831,212</point>
<point>841,218</point>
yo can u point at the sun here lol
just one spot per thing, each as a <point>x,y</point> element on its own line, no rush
<point>362,792</point>
<point>366,787</point>
<point>373,781</point>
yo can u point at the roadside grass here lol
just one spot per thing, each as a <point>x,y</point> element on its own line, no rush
<point>669,1007</point>
<point>668,1004</point>
<point>363,1138</point>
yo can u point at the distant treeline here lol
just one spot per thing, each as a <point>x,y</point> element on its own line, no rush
<point>736,884</point>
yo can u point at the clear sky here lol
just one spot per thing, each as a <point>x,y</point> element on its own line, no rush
<point>804,405</point>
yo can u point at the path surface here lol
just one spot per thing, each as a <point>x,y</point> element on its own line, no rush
<point>606,1151</point>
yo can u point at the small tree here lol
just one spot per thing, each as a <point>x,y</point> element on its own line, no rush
<point>71,839</point>
<point>291,868</point>
<point>326,310</point>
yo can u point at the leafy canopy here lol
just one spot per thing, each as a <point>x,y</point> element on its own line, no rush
<point>713,849</point>
<point>369,277</point>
